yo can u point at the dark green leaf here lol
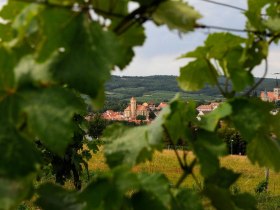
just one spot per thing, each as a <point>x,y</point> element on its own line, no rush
<point>7,77</point>
<point>261,131</point>
<point>16,151</point>
<point>53,21</point>
<point>236,71</point>
<point>264,150</point>
<point>181,117</point>
<point>187,199</point>
<point>50,116</point>
<point>13,192</point>
<point>157,185</point>
<point>109,191</point>
<point>207,148</point>
<point>245,201</point>
<point>220,197</point>
<point>87,63</point>
<point>223,178</point>
<point>134,36</point>
<point>54,197</point>
<point>247,118</point>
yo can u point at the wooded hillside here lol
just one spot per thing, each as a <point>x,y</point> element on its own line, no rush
<point>160,88</point>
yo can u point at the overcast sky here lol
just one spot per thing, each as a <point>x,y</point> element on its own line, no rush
<point>162,47</point>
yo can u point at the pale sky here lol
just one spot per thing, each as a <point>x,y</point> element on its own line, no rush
<point>158,55</point>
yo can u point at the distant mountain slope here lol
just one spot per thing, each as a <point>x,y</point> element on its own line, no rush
<point>159,88</point>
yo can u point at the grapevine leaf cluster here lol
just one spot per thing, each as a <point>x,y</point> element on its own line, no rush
<point>52,52</point>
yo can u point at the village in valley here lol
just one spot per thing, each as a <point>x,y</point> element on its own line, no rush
<point>134,112</point>
<point>147,111</point>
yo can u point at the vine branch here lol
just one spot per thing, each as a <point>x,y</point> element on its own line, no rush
<point>225,5</point>
<point>264,33</point>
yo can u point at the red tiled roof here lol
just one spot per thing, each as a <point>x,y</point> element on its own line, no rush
<point>204,108</point>
<point>270,96</point>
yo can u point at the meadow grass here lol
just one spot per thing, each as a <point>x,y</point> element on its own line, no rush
<point>166,162</point>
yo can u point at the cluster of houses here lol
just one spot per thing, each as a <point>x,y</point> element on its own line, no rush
<point>133,110</point>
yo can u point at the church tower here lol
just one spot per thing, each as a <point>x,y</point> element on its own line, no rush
<point>133,107</point>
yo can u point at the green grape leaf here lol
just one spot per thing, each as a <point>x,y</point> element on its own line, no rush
<point>264,150</point>
<point>65,2</point>
<point>247,118</point>
<point>179,120</point>
<point>109,191</point>
<point>50,116</point>
<point>199,52</point>
<point>254,52</point>
<point>186,199</point>
<point>219,44</point>
<point>144,200</point>
<point>220,197</point>
<point>16,151</point>
<point>223,178</point>
<point>13,192</point>
<point>88,66</point>
<point>55,197</point>
<point>110,7</point>
<point>12,9</point>
<point>261,131</point>
<point>254,14</point>
<point>176,15</point>
<point>7,77</point>
<point>133,145</point>
<point>216,187</point>
<point>236,70</point>
<point>101,194</point>
<point>28,71</point>
<point>210,121</point>
<point>273,24</point>
<point>53,21</point>
<point>6,33</point>
<point>134,36</point>
<point>157,185</point>
<point>196,74</point>
<point>207,147</point>
<point>25,23</point>
<point>245,201</point>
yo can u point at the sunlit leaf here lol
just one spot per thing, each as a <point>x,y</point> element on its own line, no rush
<point>176,15</point>
<point>196,75</point>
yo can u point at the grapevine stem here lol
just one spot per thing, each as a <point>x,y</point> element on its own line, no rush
<point>225,5</point>
<point>181,179</point>
<point>175,150</point>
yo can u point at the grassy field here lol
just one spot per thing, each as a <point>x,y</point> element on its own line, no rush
<point>166,163</point>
